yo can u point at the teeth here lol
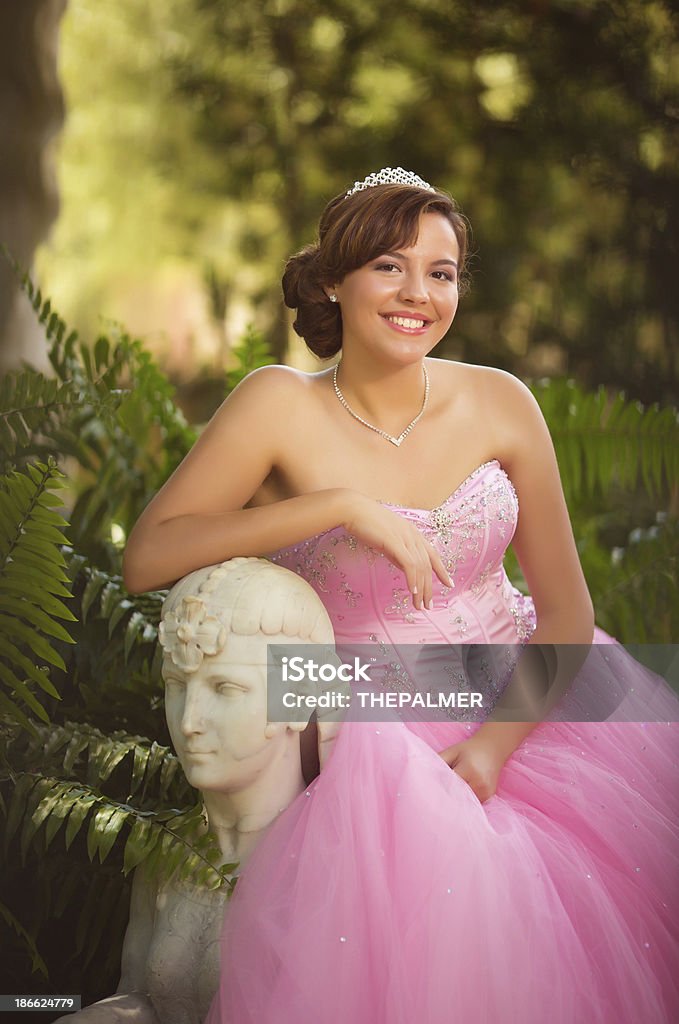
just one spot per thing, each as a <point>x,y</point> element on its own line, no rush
<point>405,322</point>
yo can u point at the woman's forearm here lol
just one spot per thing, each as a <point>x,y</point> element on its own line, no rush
<point>157,554</point>
<point>543,674</point>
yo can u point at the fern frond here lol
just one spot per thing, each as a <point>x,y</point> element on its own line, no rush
<point>251,352</point>
<point>602,440</point>
<point>88,757</point>
<point>131,620</point>
<point>38,964</point>
<point>110,408</point>
<point>168,842</point>
<point>32,584</point>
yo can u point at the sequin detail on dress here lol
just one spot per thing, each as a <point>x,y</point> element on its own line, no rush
<point>471,530</point>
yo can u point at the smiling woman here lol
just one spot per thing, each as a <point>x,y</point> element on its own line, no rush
<point>393,483</point>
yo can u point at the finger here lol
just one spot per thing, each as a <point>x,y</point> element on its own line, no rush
<point>428,582</point>
<point>439,568</point>
<point>415,576</point>
<point>406,563</point>
<point>418,589</point>
<point>423,574</point>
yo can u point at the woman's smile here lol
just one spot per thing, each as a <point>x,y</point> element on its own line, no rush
<point>406,322</point>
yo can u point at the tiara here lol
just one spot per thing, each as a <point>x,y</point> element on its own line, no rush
<point>390,176</point>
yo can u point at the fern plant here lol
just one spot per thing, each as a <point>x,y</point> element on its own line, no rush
<point>604,441</point>
<point>619,465</point>
<point>86,796</point>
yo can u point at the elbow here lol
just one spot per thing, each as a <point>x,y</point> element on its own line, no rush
<point>568,624</point>
<point>134,579</point>
<point>137,571</point>
<point>131,579</point>
<point>587,613</point>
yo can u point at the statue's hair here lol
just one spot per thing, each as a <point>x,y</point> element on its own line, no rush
<point>243,596</point>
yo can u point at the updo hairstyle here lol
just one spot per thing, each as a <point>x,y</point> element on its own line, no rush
<point>352,231</point>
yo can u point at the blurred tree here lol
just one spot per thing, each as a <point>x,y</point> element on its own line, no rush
<point>553,122</point>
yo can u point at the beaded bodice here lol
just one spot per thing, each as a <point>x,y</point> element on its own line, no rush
<point>367,597</point>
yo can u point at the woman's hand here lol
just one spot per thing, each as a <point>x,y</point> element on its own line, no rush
<point>478,762</point>
<point>400,541</point>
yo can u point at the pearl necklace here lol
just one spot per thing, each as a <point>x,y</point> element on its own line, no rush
<point>387,437</point>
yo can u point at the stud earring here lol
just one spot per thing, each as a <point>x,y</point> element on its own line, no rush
<point>333,298</point>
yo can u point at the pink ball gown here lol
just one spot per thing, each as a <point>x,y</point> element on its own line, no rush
<point>388,894</point>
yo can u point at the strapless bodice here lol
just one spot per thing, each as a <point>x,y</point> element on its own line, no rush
<point>367,597</point>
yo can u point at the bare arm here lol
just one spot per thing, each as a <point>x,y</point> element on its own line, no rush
<point>546,550</point>
<point>548,556</point>
<point>198,518</point>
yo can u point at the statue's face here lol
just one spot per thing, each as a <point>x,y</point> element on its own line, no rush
<point>217,715</point>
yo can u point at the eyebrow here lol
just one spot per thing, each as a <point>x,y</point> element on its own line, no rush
<point>435,263</point>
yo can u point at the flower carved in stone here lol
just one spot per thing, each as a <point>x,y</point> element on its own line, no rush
<point>190,633</point>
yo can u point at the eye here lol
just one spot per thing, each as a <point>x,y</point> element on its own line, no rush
<point>388,267</point>
<point>444,275</point>
<point>228,688</point>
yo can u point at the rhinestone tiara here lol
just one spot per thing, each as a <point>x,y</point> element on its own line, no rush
<point>391,176</point>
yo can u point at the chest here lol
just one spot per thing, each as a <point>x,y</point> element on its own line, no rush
<point>182,971</point>
<point>419,473</point>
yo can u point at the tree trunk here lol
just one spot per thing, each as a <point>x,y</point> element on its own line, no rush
<point>31,113</point>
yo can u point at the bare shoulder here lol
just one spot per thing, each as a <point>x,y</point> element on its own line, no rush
<point>500,402</point>
<point>510,392</point>
<point>486,384</point>
<point>520,419</point>
<point>269,389</point>
<point>272,382</point>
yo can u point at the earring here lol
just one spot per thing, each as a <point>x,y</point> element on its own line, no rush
<point>333,298</point>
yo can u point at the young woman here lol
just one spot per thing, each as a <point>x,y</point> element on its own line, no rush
<point>434,871</point>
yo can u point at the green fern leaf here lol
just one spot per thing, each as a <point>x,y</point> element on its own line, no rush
<point>38,965</point>
<point>79,812</point>
<point>97,826</point>
<point>140,843</point>
<point>17,806</point>
<point>110,832</point>
<point>36,643</point>
<point>16,686</point>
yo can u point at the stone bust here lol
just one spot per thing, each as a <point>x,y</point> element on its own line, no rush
<point>216,624</point>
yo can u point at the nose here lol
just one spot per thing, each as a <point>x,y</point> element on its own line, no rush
<point>414,287</point>
<point>193,712</point>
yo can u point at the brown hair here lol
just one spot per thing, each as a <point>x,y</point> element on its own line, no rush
<point>352,231</point>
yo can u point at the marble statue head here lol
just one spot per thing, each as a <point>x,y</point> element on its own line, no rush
<point>215,627</point>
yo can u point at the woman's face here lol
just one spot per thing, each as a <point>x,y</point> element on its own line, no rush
<point>400,305</point>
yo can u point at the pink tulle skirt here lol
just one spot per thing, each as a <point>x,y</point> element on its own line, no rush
<point>388,894</point>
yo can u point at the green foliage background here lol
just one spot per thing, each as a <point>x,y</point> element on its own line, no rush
<point>209,135</point>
